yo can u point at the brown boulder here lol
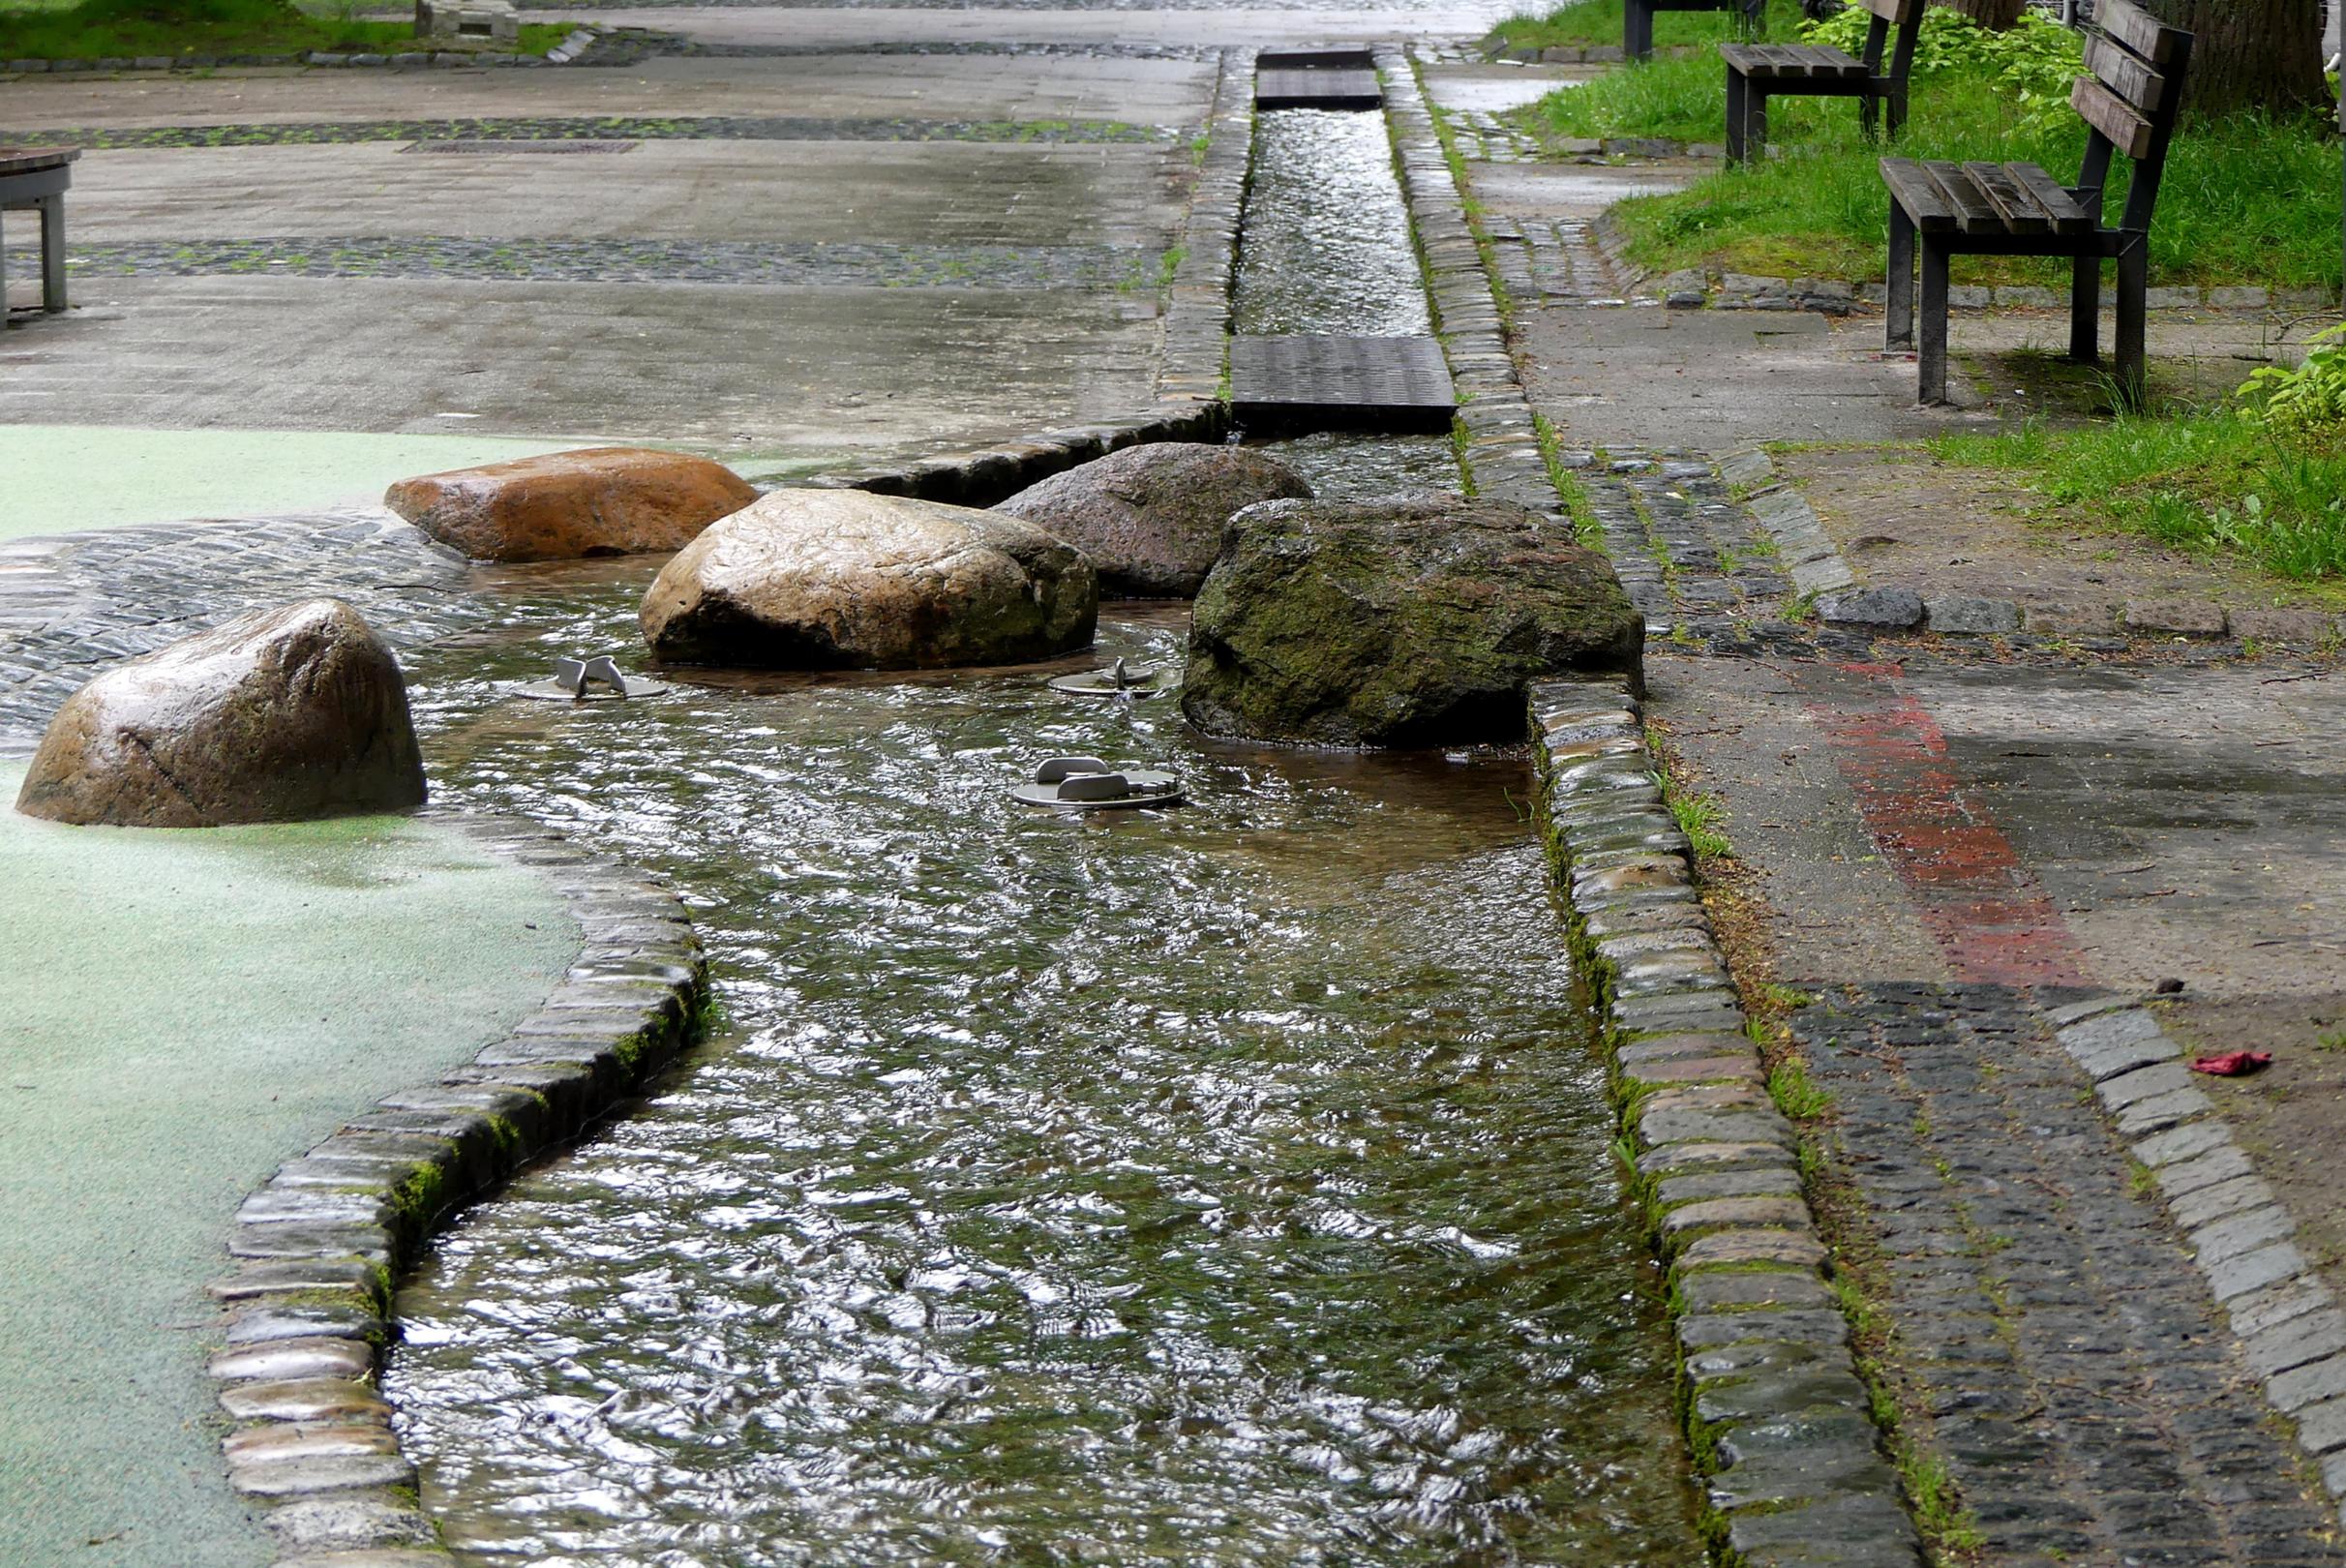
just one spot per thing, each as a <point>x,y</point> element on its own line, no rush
<point>601,500</point>
<point>1150,517</point>
<point>278,715</point>
<point>838,579</point>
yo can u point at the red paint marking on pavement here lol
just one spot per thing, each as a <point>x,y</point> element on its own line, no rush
<point>1978,901</point>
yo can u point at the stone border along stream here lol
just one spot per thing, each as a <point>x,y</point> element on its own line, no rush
<point>1779,1422</point>
<point>2291,1329</point>
<point>1192,369</point>
<point>319,1247</point>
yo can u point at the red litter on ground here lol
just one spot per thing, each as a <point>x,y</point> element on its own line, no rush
<point>2233,1064</point>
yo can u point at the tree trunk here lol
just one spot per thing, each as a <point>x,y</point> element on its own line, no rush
<point>2250,54</point>
<point>1997,14</point>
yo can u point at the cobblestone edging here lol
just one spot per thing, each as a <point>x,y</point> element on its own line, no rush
<point>1793,1474</point>
<point>1718,289</point>
<point>569,51</point>
<point>1191,403</point>
<point>2291,1329</point>
<point>1499,441</point>
<point>317,1248</point>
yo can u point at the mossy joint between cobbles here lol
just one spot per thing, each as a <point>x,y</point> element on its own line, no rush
<point>312,1303</point>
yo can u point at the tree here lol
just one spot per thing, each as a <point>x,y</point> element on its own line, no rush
<point>1997,14</point>
<point>2250,54</point>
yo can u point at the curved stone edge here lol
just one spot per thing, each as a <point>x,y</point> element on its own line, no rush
<point>317,1248</point>
<point>1195,341</point>
<point>2291,1328</point>
<point>1792,1467</point>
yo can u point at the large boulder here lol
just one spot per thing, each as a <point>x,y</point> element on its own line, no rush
<point>1150,517</point>
<point>601,500</point>
<point>278,715</point>
<point>839,579</point>
<point>1411,622</point>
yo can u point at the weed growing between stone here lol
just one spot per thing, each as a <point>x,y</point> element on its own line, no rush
<point>2245,202</point>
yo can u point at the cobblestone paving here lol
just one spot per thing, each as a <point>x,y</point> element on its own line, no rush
<point>73,604</point>
<point>629,127</point>
<point>806,262</point>
<point>1552,261</point>
<point>2086,1404</point>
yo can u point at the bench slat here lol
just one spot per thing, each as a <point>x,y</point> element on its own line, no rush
<point>2140,31</point>
<point>1913,189</point>
<point>1975,213</point>
<point>2112,115</point>
<point>2069,216</point>
<point>2014,203</point>
<point>2125,75</point>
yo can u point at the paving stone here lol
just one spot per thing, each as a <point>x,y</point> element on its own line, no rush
<point>304,1399</point>
<point>1681,1158</point>
<point>1732,1289</point>
<point>2122,1089</point>
<point>2255,1271</point>
<point>1970,615</point>
<point>2300,1386</point>
<point>2209,1203</point>
<point>308,1477</point>
<point>2159,1111</point>
<point>1862,1531</point>
<point>2306,1338</point>
<point>2260,1310</point>
<point>1744,1068</point>
<point>1737,1247</point>
<point>2236,1235</point>
<point>1709,1214</point>
<point>2223,1162</point>
<point>1893,608</point>
<point>1663,1126</point>
<point>348,1522</point>
<point>1821,1326</point>
<point>300,1275</point>
<point>389,1558</point>
<point>284,1360</point>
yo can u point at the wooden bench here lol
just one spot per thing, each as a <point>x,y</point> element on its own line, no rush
<point>38,177</point>
<point>1759,72</point>
<point>2129,105</point>
<point>1637,19</point>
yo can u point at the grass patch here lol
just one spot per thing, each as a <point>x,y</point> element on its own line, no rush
<point>1587,22</point>
<point>2248,200</point>
<point>100,29</point>
<point>2211,482</point>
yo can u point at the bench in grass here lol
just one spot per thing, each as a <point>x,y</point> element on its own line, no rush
<point>1759,72</point>
<point>2130,103</point>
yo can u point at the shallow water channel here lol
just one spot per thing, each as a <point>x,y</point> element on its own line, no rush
<point>1226,1183</point>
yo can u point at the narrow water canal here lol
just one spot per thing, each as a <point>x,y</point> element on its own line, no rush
<point>1225,1185</point>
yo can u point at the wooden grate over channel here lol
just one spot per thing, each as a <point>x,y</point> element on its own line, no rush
<point>1317,79</point>
<point>1333,381</point>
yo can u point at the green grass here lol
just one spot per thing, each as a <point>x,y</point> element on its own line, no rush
<point>2248,200</point>
<point>1599,21</point>
<point>2210,481</point>
<point>95,29</point>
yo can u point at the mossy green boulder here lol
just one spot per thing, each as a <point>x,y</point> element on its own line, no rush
<point>1412,621</point>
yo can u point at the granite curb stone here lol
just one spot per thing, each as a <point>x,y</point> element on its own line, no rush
<point>320,1245</point>
<point>1796,1470</point>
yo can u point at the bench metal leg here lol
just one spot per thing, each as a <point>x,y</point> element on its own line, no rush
<point>2085,308</point>
<point>1637,31</point>
<point>1739,88</point>
<point>2133,322</point>
<point>1899,303</point>
<point>1755,122</point>
<point>52,253</point>
<point>1934,378</point>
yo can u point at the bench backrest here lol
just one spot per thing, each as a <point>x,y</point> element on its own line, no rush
<point>2131,101</point>
<point>1904,18</point>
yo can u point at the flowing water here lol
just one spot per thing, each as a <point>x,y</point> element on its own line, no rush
<point>1326,235</point>
<point>1228,1184</point>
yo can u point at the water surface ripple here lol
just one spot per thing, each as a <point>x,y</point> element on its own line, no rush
<point>1228,1184</point>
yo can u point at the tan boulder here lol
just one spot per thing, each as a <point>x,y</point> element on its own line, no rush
<point>600,500</point>
<point>278,715</point>
<point>838,579</point>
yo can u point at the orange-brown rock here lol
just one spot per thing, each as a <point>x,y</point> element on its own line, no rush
<point>278,715</point>
<point>600,500</point>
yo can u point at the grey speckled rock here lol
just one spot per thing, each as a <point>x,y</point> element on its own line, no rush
<point>840,579</point>
<point>1152,517</point>
<point>1892,607</point>
<point>1412,621</point>
<point>278,715</point>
